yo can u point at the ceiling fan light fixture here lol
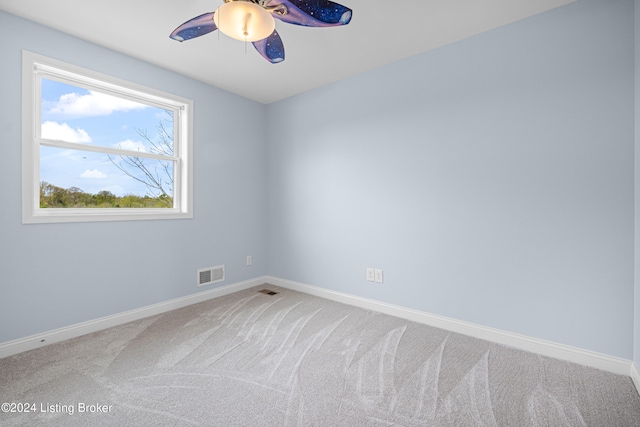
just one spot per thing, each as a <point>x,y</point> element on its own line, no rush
<point>252,21</point>
<point>244,21</point>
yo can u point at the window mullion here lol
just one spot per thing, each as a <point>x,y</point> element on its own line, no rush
<point>106,150</point>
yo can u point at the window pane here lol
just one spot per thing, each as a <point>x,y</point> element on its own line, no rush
<point>74,114</point>
<point>98,148</point>
<point>84,179</point>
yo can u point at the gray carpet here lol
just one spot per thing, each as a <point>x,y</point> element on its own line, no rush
<point>251,359</point>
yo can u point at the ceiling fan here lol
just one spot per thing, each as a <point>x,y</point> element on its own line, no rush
<point>252,21</point>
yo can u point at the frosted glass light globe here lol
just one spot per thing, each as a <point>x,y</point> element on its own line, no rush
<point>244,21</point>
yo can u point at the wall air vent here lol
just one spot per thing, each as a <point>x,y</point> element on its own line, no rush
<point>207,276</point>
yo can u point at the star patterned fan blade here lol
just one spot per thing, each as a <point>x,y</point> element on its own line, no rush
<point>271,48</point>
<point>313,13</point>
<point>196,27</point>
<point>308,13</point>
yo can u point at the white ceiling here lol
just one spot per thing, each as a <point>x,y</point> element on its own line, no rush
<point>379,33</point>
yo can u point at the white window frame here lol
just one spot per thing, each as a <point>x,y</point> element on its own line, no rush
<point>34,67</point>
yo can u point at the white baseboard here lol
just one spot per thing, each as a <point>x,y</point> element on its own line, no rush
<point>635,376</point>
<point>534,345</point>
<point>39,340</point>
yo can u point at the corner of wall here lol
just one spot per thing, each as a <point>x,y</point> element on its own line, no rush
<point>636,309</point>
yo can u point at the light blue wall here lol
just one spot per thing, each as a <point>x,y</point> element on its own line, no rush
<point>492,180</point>
<point>56,275</point>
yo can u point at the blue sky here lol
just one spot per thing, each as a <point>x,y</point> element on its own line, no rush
<point>78,115</point>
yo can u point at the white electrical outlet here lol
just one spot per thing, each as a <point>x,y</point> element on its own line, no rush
<point>249,260</point>
<point>371,275</point>
<point>378,275</point>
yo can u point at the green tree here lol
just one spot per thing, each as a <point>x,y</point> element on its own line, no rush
<point>52,196</point>
<point>105,199</point>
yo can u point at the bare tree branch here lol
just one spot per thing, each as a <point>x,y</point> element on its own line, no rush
<point>157,179</point>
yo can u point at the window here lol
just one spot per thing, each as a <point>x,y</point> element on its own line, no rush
<point>96,148</point>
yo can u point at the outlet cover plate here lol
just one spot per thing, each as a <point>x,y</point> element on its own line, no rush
<point>379,278</point>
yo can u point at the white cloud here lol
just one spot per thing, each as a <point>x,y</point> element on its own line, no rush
<point>64,132</point>
<point>92,104</point>
<point>131,145</point>
<point>92,174</point>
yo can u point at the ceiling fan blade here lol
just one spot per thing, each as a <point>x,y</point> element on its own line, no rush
<point>196,27</point>
<point>271,48</point>
<point>313,13</point>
